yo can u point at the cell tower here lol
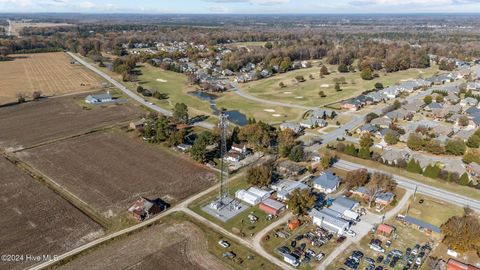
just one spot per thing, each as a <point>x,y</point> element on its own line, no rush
<point>223,193</point>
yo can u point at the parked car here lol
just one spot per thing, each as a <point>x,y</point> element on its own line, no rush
<point>224,243</point>
<point>351,233</point>
<point>283,250</point>
<point>320,256</point>
<point>380,259</point>
<point>293,243</point>
<point>341,239</point>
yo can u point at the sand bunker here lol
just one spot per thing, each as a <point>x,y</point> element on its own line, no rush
<point>287,92</point>
<point>325,85</point>
<point>276,115</point>
<point>161,80</point>
<point>299,97</point>
<point>269,110</point>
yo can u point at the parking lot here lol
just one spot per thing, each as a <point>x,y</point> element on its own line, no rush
<point>406,248</point>
<point>308,244</point>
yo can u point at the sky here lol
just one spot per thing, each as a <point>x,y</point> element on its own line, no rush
<point>242,6</point>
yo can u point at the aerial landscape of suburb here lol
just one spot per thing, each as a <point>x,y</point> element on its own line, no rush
<point>240,135</point>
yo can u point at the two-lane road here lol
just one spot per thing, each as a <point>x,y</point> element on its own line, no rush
<point>131,94</point>
<point>421,188</point>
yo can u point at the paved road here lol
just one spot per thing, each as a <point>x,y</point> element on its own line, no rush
<point>363,228</point>
<point>410,184</point>
<point>183,207</point>
<point>131,94</point>
<point>265,101</point>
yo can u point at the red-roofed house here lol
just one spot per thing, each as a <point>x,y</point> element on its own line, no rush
<point>456,265</point>
<point>385,229</point>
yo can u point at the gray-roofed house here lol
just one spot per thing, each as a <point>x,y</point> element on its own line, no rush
<point>295,127</point>
<point>382,122</point>
<point>393,155</point>
<point>433,106</point>
<point>421,225</point>
<point>100,98</point>
<point>328,221</point>
<point>468,102</point>
<point>327,182</point>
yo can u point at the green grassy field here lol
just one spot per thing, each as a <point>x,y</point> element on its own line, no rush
<point>306,93</point>
<point>257,110</point>
<point>423,211</point>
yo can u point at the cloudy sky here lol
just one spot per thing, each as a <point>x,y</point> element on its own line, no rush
<point>241,6</point>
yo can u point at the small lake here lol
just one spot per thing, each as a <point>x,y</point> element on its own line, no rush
<point>234,116</point>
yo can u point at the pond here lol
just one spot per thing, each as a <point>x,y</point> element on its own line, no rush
<point>234,116</point>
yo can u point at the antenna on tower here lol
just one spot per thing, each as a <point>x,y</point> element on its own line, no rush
<point>223,193</point>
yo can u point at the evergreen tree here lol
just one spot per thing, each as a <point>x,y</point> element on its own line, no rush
<point>413,166</point>
<point>364,153</point>
<point>464,180</point>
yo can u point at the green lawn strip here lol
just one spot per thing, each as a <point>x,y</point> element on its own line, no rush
<point>452,187</point>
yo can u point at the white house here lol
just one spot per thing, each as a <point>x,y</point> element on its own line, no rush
<point>327,182</point>
<point>101,98</point>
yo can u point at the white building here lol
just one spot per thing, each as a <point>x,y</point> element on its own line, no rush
<point>263,194</point>
<point>248,197</point>
<point>101,98</point>
<point>329,221</point>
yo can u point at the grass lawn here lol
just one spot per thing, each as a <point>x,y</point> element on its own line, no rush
<point>466,191</point>
<point>240,224</point>
<point>306,93</point>
<point>424,211</point>
<point>259,111</point>
<point>258,262</point>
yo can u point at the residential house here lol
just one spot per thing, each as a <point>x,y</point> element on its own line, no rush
<point>290,168</point>
<point>468,102</point>
<point>237,153</point>
<point>474,86</point>
<point>433,106</point>
<point>327,182</point>
<point>351,105</point>
<point>383,199</point>
<point>313,122</point>
<point>391,156</point>
<point>137,125</point>
<point>144,208</point>
<point>367,128</point>
<point>428,228</point>
<point>99,98</point>
<point>382,122</point>
<point>295,127</point>
<point>385,229</point>
<point>286,190</point>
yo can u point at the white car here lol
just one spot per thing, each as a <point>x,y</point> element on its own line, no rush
<point>377,248</point>
<point>351,233</point>
<point>224,243</point>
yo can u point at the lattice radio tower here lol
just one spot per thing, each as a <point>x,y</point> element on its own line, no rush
<point>223,193</point>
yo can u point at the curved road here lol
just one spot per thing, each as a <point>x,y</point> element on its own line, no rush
<point>131,94</point>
